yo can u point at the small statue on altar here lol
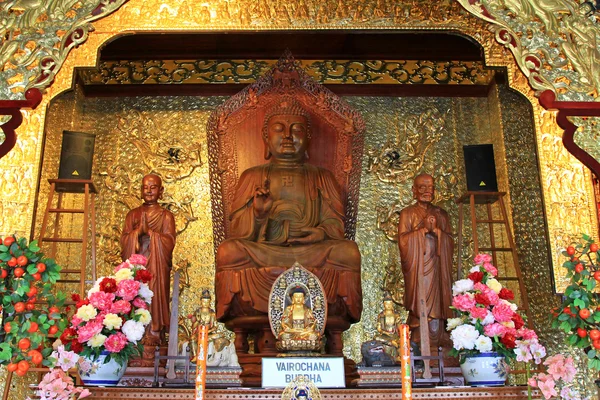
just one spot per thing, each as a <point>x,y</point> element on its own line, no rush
<point>426,247</point>
<point>387,327</point>
<point>298,322</point>
<point>220,352</point>
<point>150,230</point>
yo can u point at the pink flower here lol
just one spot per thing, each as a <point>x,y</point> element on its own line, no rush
<point>490,268</point>
<point>532,382</point>
<point>75,321</point>
<point>494,329</point>
<point>502,312</point>
<point>127,289</point>
<point>479,313</point>
<point>482,258</point>
<point>121,307</point>
<point>102,300</point>
<point>84,393</point>
<point>138,259</point>
<point>87,331</point>
<point>560,367</point>
<point>463,302</point>
<point>116,342</point>
<point>140,303</point>
<point>526,334</point>
<point>124,264</point>
<point>547,388</point>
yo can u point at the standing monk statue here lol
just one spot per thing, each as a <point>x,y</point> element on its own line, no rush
<point>426,247</point>
<point>286,211</point>
<point>150,230</point>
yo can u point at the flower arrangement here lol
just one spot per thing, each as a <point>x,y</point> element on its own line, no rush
<point>25,276</point>
<point>579,314</point>
<point>487,321</point>
<point>557,380</point>
<point>114,315</point>
<point>57,384</point>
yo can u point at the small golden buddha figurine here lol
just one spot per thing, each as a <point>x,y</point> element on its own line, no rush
<point>387,327</point>
<point>298,325</point>
<point>205,316</point>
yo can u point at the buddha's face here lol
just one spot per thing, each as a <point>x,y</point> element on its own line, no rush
<point>424,189</point>
<point>388,305</point>
<point>298,298</point>
<point>287,136</point>
<point>205,302</point>
<point>152,189</point>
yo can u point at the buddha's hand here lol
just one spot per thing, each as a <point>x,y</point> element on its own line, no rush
<point>262,202</point>
<point>143,227</point>
<point>313,235</point>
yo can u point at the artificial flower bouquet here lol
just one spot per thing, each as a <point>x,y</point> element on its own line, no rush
<point>488,321</point>
<point>114,316</point>
<point>57,384</point>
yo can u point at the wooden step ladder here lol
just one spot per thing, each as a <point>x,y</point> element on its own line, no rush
<point>79,186</point>
<point>487,199</point>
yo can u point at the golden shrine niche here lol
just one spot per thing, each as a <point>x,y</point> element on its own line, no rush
<point>568,212</point>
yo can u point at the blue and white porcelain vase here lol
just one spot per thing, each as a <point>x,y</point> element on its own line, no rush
<point>103,374</point>
<point>484,369</point>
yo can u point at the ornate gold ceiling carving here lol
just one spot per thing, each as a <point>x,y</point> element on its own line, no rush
<point>324,71</point>
<point>556,43</point>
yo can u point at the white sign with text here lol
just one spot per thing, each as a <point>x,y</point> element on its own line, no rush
<point>324,372</point>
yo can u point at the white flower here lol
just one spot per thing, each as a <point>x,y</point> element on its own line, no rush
<point>96,287</point>
<point>537,351</point>
<point>494,285</point>
<point>145,293</point>
<point>489,319</point>
<point>453,323</point>
<point>462,286</point>
<point>145,317</point>
<point>523,354</point>
<point>134,330</point>
<point>508,324</point>
<point>112,321</point>
<point>483,344</point>
<point>476,268</point>
<point>86,312</point>
<point>97,340</point>
<point>122,274</point>
<point>512,306</point>
<point>464,336</point>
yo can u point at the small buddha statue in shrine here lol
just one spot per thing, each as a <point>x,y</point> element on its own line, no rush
<point>298,325</point>
<point>387,327</point>
<point>205,316</point>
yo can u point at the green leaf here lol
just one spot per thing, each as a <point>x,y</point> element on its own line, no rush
<point>563,317</point>
<point>591,353</point>
<point>572,340</point>
<point>34,247</point>
<point>5,351</point>
<point>579,303</point>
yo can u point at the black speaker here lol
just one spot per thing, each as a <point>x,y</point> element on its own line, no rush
<point>76,155</point>
<point>480,168</point>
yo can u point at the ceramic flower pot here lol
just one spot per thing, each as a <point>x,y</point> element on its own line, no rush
<point>103,374</point>
<point>485,369</point>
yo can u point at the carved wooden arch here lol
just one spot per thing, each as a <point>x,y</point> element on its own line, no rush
<point>336,143</point>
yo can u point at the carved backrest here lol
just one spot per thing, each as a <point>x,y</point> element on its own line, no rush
<point>235,138</point>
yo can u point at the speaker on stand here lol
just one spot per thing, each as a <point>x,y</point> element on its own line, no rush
<point>76,156</point>
<point>480,168</point>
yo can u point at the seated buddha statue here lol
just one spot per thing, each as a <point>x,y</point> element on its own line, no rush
<point>387,327</point>
<point>286,211</point>
<point>205,316</point>
<point>298,325</point>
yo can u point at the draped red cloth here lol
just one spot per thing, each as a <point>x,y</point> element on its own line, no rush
<point>430,254</point>
<point>257,253</point>
<point>157,246</point>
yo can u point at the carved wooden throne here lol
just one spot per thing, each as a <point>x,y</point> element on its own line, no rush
<point>235,144</point>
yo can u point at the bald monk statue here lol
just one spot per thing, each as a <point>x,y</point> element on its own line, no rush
<point>283,212</point>
<point>425,242</point>
<point>150,230</point>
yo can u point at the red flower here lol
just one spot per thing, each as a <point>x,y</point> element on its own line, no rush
<point>108,285</point>
<point>509,341</point>
<point>143,275</point>
<point>476,276</point>
<point>518,320</point>
<point>506,294</point>
<point>68,335</point>
<point>482,299</point>
<point>76,346</point>
<point>75,297</point>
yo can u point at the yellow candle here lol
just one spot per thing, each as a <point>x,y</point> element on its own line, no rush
<point>201,362</point>
<point>405,362</point>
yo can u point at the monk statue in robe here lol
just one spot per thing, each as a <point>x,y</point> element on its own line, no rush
<point>150,230</point>
<point>286,211</point>
<point>426,247</point>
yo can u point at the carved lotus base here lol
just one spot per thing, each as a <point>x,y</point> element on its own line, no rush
<point>298,345</point>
